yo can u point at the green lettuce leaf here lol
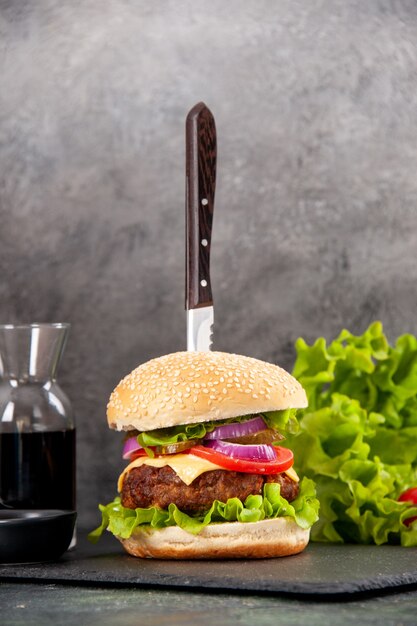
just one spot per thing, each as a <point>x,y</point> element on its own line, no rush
<point>279,420</point>
<point>122,521</point>
<point>282,421</point>
<point>358,436</point>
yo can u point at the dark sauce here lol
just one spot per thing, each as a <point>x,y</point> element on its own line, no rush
<point>37,470</point>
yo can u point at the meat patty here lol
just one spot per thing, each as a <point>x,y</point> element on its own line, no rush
<point>147,486</point>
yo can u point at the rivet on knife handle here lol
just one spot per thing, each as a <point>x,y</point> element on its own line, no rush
<point>201,153</point>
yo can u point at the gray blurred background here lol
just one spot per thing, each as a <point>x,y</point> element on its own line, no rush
<point>315,224</point>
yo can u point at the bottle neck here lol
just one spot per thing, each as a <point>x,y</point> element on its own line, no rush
<point>31,353</point>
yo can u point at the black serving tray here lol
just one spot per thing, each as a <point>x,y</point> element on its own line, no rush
<point>321,570</point>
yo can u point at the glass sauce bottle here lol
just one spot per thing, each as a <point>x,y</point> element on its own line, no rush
<point>37,430</point>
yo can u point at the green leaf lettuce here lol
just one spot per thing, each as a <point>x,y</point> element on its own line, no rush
<point>358,436</point>
<point>283,421</point>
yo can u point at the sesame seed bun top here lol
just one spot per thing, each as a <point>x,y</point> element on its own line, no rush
<point>191,387</point>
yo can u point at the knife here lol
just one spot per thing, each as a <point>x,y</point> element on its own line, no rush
<point>201,155</point>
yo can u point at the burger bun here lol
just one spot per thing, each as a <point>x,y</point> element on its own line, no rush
<point>192,387</point>
<point>265,539</point>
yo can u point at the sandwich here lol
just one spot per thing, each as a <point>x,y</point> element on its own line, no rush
<point>208,475</point>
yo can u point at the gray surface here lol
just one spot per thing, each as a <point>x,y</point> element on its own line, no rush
<point>315,223</point>
<point>322,570</point>
<point>23,604</point>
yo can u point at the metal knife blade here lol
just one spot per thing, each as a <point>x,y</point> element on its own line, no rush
<point>201,156</point>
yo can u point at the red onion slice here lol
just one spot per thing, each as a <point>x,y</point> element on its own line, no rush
<point>236,429</point>
<point>130,446</point>
<point>261,452</point>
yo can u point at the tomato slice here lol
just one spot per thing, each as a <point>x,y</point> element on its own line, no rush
<point>284,461</point>
<point>409,496</point>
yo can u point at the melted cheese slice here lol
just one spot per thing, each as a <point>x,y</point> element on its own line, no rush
<point>291,473</point>
<point>187,466</point>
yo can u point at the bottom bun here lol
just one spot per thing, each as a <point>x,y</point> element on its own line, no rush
<point>234,540</point>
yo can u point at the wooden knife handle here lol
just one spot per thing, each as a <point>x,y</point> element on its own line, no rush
<point>201,155</point>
